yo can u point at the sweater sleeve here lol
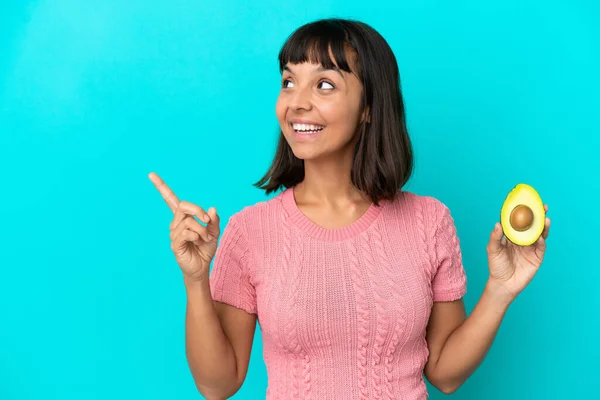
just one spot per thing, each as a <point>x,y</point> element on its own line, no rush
<point>230,279</point>
<point>449,280</point>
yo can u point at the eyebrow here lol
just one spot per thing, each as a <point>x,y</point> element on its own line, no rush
<point>320,69</point>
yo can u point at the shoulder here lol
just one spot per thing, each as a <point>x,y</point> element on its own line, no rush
<point>255,214</point>
<point>429,214</point>
<point>426,206</point>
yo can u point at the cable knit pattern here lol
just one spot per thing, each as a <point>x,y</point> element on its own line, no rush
<point>380,316</point>
<point>422,235</point>
<point>362,321</point>
<point>396,295</point>
<point>448,280</point>
<point>234,267</point>
<point>343,311</point>
<point>306,374</point>
<point>283,284</point>
<point>290,327</point>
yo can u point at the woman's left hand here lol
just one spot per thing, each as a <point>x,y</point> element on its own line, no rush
<point>512,267</point>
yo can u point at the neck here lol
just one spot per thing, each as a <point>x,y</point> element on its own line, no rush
<point>328,181</point>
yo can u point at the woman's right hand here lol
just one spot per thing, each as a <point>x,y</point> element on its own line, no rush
<point>193,244</point>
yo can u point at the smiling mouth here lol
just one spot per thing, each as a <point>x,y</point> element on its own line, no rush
<point>307,129</point>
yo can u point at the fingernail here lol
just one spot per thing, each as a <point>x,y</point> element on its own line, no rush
<point>210,238</point>
<point>206,218</point>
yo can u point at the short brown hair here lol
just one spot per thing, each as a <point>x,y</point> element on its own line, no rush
<point>383,159</point>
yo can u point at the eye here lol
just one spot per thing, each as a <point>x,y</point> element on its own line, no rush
<point>286,83</point>
<point>326,85</point>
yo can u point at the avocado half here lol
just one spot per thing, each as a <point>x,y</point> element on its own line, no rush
<point>523,216</point>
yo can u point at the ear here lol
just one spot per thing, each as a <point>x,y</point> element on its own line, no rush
<point>366,116</point>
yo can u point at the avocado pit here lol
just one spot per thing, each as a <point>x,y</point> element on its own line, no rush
<point>522,215</point>
<point>521,218</point>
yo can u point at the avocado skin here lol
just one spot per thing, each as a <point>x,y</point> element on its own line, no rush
<point>534,202</point>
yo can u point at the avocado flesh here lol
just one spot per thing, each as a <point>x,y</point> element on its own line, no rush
<point>523,195</point>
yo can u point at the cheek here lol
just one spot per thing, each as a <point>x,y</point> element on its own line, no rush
<point>280,109</point>
<point>342,115</point>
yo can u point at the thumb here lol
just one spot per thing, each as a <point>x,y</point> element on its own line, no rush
<point>212,226</point>
<point>495,245</point>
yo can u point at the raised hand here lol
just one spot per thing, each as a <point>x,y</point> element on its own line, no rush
<point>512,267</point>
<point>193,244</point>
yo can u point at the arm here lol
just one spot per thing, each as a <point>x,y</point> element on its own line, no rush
<point>218,342</point>
<point>218,336</point>
<point>457,344</point>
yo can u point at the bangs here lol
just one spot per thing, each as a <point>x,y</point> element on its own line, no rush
<point>324,43</point>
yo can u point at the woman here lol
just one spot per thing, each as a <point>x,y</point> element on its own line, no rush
<point>357,284</point>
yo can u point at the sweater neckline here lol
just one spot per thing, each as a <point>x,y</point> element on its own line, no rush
<point>297,217</point>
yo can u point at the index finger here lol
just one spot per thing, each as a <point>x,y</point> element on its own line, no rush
<point>165,191</point>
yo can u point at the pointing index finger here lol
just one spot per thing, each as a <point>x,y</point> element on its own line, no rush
<point>165,191</point>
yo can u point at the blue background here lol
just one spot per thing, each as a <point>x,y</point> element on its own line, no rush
<point>94,95</point>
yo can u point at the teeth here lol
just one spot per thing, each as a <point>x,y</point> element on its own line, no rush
<point>307,127</point>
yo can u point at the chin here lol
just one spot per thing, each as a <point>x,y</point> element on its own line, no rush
<point>305,153</point>
<point>316,151</point>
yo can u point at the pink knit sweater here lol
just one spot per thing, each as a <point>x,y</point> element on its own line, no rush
<point>343,312</point>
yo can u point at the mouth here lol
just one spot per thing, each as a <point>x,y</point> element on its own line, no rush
<point>306,129</point>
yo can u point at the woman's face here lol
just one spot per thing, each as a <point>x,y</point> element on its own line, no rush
<point>318,110</point>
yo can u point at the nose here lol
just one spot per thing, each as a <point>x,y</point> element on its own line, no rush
<point>301,98</point>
